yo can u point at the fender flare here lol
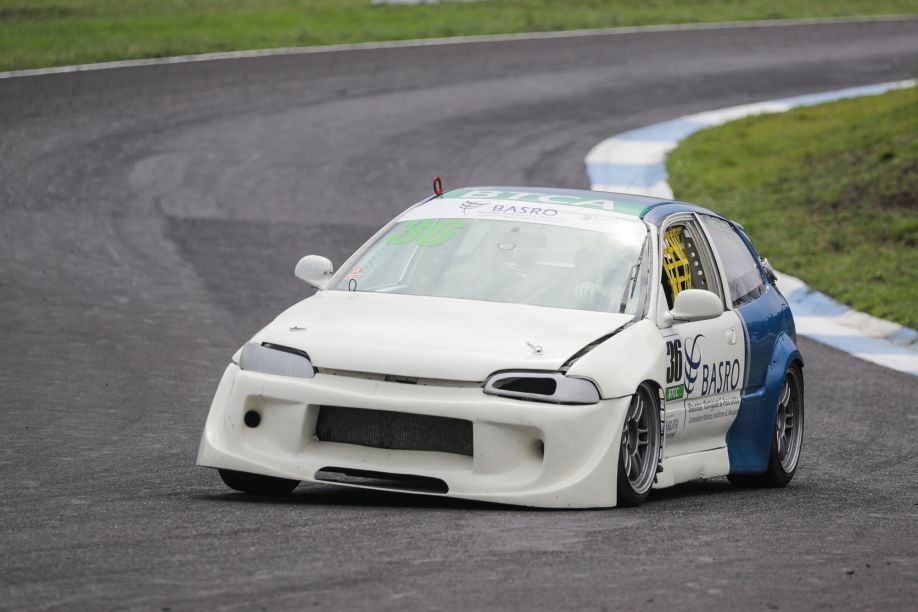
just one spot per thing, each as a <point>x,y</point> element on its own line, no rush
<point>749,437</point>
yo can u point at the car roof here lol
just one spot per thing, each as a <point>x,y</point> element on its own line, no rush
<point>651,209</point>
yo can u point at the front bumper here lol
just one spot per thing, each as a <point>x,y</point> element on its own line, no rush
<point>524,453</point>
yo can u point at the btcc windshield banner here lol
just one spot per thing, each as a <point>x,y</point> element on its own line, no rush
<point>546,213</point>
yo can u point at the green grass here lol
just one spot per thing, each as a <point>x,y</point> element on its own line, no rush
<point>828,193</point>
<point>37,33</point>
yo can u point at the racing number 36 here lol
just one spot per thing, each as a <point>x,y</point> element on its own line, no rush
<point>674,369</point>
<point>427,232</point>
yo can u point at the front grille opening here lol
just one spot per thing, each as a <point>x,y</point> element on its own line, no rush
<point>412,380</point>
<point>405,380</point>
<point>537,386</point>
<point>394,430</point>
<point>382,480</point>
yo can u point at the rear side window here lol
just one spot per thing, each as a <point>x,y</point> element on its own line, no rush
<point>743,276</point>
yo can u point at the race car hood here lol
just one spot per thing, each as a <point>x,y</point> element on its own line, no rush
<point>427,337</point>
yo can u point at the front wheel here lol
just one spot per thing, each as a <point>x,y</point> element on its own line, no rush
<point>257,484</point>
<point>786,439</point>
<point>639,454</point>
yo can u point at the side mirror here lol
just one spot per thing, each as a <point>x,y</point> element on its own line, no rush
<point>770,271</point>
<point>696,305</point>
<point>315,270</point>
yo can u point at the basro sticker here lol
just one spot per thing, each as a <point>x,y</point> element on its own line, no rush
<point>491,209</point>
<point>716,377</point>
<point>720,377</point>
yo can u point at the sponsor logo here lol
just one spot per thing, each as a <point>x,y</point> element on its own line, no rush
<point>538,198</point>
<point>692,351</point>
<point>490,209</point>
<point>470,205</point>
<point>598,219</point>
<point>720,377</point>
<point>514,210</point>
<point>424,232</point>
<point>716,377</point>
<point>675,393</point>
<point>672,426</point>
<point>706,409</point>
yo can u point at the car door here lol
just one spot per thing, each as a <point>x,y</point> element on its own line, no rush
<point>704,372</point>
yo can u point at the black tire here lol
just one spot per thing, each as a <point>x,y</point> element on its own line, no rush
<point>781,468</point>
<point>256,484</point>
<point>634,485</point>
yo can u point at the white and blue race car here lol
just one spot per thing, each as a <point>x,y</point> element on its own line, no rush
<point>539,347</point>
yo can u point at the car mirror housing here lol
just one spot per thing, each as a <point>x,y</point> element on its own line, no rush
<point>696,305</point>
<point>315,270</point>
<point>770,271</point>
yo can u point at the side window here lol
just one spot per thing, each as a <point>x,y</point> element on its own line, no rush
<point>743,275</point>
<point>687,263</point>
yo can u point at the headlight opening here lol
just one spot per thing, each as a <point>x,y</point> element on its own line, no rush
<point>275,359</point>
<point>550,387</point>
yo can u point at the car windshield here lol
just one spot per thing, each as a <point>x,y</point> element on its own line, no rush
<point>585,260</point>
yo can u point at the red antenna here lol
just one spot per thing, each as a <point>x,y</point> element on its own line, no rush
<point>438,186</point>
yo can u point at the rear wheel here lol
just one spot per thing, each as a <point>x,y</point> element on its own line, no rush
<point>639,454</point>
<point>257,484</point>
<point>786,439</point>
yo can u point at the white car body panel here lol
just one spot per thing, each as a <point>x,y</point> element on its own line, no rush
<point>693,466</point>
<point>636,353</point>
<point>578,468</point>
<point>440,338</point>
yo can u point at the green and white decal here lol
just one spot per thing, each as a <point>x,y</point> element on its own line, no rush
<point>597,202</point>
<point>675,393</point>
<point>426,232</point>
<point>436,221</point>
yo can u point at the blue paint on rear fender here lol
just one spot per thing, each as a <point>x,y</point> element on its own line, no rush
<point>764,320</point>
<point>749,438</point>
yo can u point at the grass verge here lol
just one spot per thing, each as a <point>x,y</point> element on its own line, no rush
<point>828,193</point>
<point>35,33</point>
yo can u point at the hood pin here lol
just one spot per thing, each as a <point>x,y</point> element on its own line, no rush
<point>535,348</point>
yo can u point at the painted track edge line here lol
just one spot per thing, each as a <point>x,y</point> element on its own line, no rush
<point>818,316</point>
<point>453,40</point>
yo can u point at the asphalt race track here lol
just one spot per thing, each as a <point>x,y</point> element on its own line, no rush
<point>150,219</point>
